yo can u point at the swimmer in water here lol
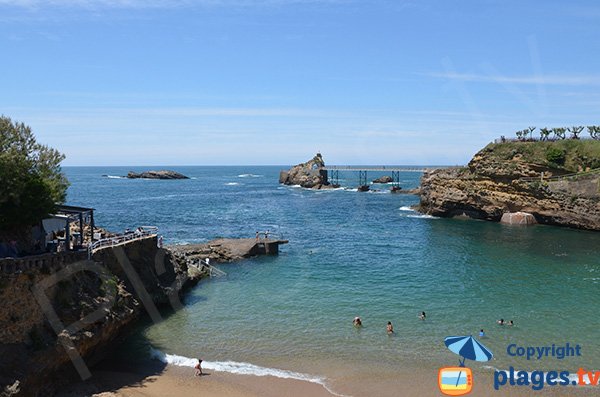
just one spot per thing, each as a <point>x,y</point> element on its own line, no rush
<point>481,333</point>
<point>501,321</point>
<point>357,322</point>
<point>390,328</point>
<point>510,323</point>
<point>422,316</point>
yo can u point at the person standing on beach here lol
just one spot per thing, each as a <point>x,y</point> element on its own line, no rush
<point>198,368</point>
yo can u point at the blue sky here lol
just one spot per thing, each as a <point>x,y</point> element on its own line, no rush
<point>175,82</point>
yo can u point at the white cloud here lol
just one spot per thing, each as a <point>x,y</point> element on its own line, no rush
<point>569,80</point>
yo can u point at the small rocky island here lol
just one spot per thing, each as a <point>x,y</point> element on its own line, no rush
<point>309,175</point>
<point>383,179</point>
<point>521,182</point>
<point>163,174</point>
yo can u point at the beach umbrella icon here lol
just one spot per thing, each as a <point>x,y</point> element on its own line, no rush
<point>468,348</point>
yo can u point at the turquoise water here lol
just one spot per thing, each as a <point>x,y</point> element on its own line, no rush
<point>350,254</point>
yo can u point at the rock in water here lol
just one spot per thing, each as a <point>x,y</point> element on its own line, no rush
<point>518,218</point>
<point>163,174</point>
<point>309,175</point>
<point>384,179</point>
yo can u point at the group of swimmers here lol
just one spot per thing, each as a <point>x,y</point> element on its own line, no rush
<point>357,322</point>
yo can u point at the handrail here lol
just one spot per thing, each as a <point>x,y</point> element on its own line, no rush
<point>202,263</point>
<point>138,234</point>
<point>560,177</point>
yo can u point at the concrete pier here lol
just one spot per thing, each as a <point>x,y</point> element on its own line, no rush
<point>227,250</point>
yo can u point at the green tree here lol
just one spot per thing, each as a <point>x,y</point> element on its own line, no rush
<point>594,131</point>
<point>31,180</point>
<point>530,131</point>
<point>575,131</point>
<point>518,134</point>
<point>544,133</point>
<point>560,133</point>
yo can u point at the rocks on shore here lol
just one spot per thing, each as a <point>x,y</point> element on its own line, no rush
<point>308,175</point>
<point>162,174</point>
<point>383,179</point>
<point>518,218</point>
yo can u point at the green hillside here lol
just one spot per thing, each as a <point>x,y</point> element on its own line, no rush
<point>569,155</point>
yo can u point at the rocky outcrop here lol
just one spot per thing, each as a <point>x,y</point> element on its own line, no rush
<point>33,358</point>
<point>308,175</point>
<point>383,179</point>
<point>518,218</point>
<point>163,174</point>
<point>492,185</point>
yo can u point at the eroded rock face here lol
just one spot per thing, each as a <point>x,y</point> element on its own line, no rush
<point>31,354</point>
<point>309,175</point>
<point>163,174</point>
<point>489,187</point>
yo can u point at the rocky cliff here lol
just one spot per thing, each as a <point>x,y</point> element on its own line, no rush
<point>33,358</point>
<point>531,177</point>
<point>308,175</point>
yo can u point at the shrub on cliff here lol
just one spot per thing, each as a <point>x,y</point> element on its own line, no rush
<point>555,155</point>
<point>31,181</point>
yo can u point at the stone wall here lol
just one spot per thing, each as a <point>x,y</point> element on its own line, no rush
<point>50,262</point>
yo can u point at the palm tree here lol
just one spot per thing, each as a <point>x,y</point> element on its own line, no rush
<point>544,133</point>
<point>560,132</point>
<point>575,131</point>
<point>594,131</point>
<point>531,129</point>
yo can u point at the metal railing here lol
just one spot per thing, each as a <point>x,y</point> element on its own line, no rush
<point>202,264</point>
<point>138,234</point>
<point>541,178</point>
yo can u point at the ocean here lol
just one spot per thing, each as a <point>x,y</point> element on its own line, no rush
<point>352,254</point>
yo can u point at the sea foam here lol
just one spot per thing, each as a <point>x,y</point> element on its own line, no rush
<point>239,368</point>
<point>249,176</point>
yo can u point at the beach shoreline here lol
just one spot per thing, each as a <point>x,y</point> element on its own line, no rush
<point>152,378</point>
<point>180,381</point>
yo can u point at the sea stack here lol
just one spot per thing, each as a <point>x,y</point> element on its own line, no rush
<point>309,175</point>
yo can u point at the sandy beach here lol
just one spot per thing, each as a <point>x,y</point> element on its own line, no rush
<point>180,381</point>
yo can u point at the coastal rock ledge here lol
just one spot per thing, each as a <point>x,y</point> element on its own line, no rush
<point>163,174</point>
<point>505,180</point>
<point>309,175</point>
